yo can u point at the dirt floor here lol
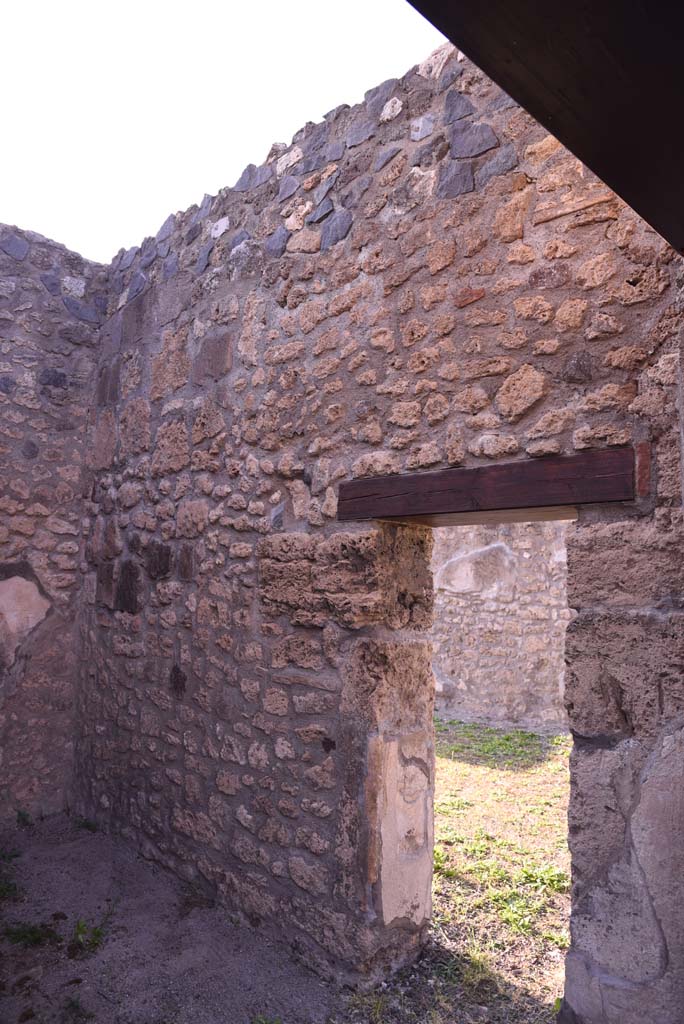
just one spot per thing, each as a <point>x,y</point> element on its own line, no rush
<point>91,932</point>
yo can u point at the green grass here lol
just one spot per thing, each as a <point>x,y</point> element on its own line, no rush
<point>479,744</point>
<point>31,934</point>
<point>8,888</point>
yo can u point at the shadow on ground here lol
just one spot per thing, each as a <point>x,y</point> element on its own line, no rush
<point>447,987</point>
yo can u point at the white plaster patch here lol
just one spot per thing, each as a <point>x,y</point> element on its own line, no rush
<point>220,227</point>
<point>288,160</point>
<point>484,570</point>
<point>22,607</point>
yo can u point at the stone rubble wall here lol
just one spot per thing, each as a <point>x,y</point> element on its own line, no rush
<point>425,279</point>
<point>501,611</point>
<point>51,305</point>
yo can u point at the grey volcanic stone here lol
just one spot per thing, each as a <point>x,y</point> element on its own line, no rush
<point>335,151</point>
<point>128,257</point>
<point>203,210</point>
<point>158,559</point>
<point>167,228</point>
<point>325,187</point>
<point>263,174</point>
<point>276,243</point>
<point>431,153</point>
<point>422,127</point>
<point>288,186</point>
<point>456,106</point>
<point>136,285</point>
<point>50,281</point>
<point>244,182</point>
<point>148,253</point>
<point>375,99</point>
<point>253,176</point>
<point>579,368</point>
<point>193,232</point>
<point>335,228</point>
<point>170,267</point>
<point>14,246</point>
<point>471,139</point>
<point>501,102</point>
<point>383,158</point>
<point>80,310</point>
<point>359,133</point>
<point>333,114</point>
<point>203,258</point>
<point>323,210</point>
<point>127,588</point>
<point>29,449</point>
<point>360,186</point>
<point>177,681</point>
<point>49,377</point>
<point>449,75</point>
<point>505,159</point>
<point>238,238</point>
<point>455,178</point>
<point>7,384</point>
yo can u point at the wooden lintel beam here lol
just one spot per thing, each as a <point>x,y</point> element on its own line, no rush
<point>531,488</point>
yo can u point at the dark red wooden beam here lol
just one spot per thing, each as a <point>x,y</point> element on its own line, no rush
<point>444,496</point>
<point>606,77</point>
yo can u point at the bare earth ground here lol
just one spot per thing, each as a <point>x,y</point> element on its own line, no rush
<point>91,932</point>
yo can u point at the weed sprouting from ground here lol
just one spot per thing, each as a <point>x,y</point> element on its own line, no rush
<point>88,938</point>
<point>86,824</point>
<point>73,1011</point>
<point>24,820</point>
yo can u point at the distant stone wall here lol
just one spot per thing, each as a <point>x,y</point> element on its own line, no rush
<point>501,612</point>
<point>51,305</point>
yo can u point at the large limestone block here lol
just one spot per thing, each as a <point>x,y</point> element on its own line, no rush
<point>400,793</point>
<point>627,564</point>
<point>625,673</point>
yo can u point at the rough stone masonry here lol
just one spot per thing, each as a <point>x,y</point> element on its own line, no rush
<point>196,655</point>
<point>500,616</point>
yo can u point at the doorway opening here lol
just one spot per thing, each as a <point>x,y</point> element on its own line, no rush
<point>501,888</point>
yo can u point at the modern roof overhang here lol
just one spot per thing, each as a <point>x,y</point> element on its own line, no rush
<point>606,77</point>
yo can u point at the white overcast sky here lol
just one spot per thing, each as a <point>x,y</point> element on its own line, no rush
<point>119,112</point>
